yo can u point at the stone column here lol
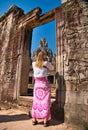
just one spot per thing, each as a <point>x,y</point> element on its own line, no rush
<point>60,58</point>
<point>25,60</point>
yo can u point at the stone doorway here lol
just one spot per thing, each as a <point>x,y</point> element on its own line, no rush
<point>60,94</point>
<point>42,43</point>
<point>27,89</point>
<point>17,50</point>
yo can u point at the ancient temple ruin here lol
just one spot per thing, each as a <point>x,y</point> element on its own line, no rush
<point>71,56</point>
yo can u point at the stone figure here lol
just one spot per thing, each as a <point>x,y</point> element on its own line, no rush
<point>43,43</point>
<point>43,46</point>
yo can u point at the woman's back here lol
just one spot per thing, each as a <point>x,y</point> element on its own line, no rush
<point>39,72</point>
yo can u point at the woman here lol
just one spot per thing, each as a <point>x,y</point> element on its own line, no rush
<point>42,90</point>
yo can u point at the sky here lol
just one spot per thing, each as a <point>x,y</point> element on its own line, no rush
<point>47,31</point>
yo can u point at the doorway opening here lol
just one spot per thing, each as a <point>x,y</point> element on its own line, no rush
<point>48,33</point>
<point>43,21</point>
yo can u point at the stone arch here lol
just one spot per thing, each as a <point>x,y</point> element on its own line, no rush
<point>29,25</point>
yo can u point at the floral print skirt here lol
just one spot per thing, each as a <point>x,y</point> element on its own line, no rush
<point>41,98</point>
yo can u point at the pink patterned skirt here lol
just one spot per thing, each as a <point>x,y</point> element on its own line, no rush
<point>41,98</point>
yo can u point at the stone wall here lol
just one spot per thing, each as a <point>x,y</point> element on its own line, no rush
<point>72,60</point>
<point>15,48</point>
<point>9,52</point>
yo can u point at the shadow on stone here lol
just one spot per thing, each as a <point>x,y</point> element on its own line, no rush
<point>30,92</point>
<point>57,113</point>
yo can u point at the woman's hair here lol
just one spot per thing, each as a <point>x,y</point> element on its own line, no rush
<point>40,59</point>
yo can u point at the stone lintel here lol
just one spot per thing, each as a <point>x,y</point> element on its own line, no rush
<point>43,19</point>
<point>30,17</point>
<point>48,17</point>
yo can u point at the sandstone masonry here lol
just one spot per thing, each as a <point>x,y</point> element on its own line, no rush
<point>71,56</point>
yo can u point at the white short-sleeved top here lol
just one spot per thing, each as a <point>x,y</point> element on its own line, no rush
<point>42,72</point>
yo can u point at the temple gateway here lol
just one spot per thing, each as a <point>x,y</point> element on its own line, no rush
<point>16,32</point>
